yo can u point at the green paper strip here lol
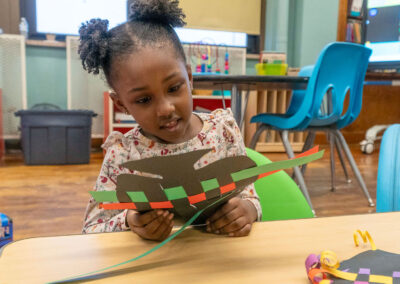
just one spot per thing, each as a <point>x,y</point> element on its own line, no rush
<point>137,196</point>
<point>174,235</point>
<point>209,184</point>
<point>174,193</point>
<point>248,173</point>
<point>104,196</point>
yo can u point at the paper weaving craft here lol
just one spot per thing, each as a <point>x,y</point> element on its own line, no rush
<point>372,266</point>
<point>183,190</point>
<point>180,188</point>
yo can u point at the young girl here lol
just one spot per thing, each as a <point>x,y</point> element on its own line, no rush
<point>144,63</point>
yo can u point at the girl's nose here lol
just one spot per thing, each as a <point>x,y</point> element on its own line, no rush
<point>165,108</point>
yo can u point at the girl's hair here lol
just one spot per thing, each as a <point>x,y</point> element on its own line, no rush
<point>151,23</point>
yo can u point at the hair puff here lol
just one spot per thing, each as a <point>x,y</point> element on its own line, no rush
<point>165,12</point>
<point>93,44</point>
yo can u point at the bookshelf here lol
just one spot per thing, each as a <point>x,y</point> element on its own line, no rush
<point>351,25</point>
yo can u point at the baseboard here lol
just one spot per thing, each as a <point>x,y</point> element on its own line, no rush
<point>353,137</point>
<point>277,147</point>
<point>15,144</point>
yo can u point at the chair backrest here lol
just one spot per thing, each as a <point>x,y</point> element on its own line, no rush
<point>298,95</point>
<point>280,197</point>
<point>388,184</point>
<point>340,69</point>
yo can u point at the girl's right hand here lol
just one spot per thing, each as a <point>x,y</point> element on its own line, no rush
<point>153,225</point>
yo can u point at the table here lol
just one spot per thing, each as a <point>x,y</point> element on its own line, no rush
<point>238,83</point>
<point>274,253</point>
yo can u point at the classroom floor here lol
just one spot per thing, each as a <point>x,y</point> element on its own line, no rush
<point>51,200</point>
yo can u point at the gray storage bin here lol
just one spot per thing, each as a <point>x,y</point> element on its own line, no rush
<point>52,137</point>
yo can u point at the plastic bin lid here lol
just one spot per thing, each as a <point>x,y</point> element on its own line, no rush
<point>54,112</point>
<point>4,220</point>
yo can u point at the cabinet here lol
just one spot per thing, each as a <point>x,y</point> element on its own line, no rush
<point>2,150</point>
<point>12,82</point>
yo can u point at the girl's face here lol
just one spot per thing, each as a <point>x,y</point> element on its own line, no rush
<point>154,86</point>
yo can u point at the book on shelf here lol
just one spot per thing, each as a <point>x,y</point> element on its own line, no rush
<point>121,117</point>
<point>356,8</point>
<point>354,32</point>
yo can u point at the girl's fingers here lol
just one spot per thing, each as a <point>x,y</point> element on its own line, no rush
<point>142,219</point>
<point>244,231</point>
<point>165,223</point>
<point>156,229</point>
<point>152,227</point>
<point>235,225</point>
<point>225,220</point>
<point>164,233</point>
<point>227,207</point>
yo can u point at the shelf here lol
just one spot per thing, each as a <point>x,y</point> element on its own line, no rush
<point>382,76</point>
<point>253,56</point>
<point>211,97</point>
<point>359,18</point>
<point>47,43</point>
<point>124,125</point>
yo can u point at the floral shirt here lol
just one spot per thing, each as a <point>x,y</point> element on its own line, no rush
<point>220,132</point>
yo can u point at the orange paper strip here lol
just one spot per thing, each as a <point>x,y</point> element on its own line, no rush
<point>227,188</point>
<point>118,206</point>
<point>161,205</point>
<point>197,198</point>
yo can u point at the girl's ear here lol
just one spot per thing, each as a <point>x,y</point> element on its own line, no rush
<point>190,75</point>
<point>117,102</point>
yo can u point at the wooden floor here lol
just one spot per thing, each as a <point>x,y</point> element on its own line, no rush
<point>51,200</point>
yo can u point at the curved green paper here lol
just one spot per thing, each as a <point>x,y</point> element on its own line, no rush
<point>280,197</point>
<point>188,223</point>
<point>280,165</point>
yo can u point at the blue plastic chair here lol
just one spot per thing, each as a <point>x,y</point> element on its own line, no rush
<point>340,70</point>
<point>298,96</point>
<point>388,184</point>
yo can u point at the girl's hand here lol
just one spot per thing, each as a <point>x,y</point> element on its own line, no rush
<point>234,218</point>
<point>154,225</point>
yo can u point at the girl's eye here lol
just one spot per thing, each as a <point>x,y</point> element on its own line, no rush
<point>174,88</point>
<point>143,100</point>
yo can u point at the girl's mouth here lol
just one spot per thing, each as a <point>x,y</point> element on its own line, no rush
<point>172,125</point>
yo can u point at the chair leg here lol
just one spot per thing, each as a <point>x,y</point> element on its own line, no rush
<point>306,146</point>
<point>339,150</point>
<point>353,165</point>
<point>256,136</point>
<point>285,140</point>
<point>331,138</point>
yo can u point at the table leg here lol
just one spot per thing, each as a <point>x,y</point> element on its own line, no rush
<point>246,100</point>
<point>236,104</point>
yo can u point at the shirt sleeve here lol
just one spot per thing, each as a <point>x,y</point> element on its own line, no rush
<point>235,147</point>
<point>99,220</point>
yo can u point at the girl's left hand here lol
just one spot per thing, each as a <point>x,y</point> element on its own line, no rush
<point>234,218</point>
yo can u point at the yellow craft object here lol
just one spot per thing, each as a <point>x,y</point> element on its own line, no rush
<point>365,237</point>
<point>330,263</point>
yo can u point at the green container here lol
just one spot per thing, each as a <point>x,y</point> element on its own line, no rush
<point>271,68</point>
